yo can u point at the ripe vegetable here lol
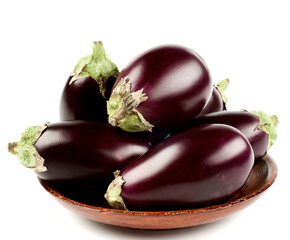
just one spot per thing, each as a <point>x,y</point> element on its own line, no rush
<point>77,155</point>
<point>202,166</point>
<point>155,137</point>
<point>218,99</point>
<point>88,88</point>
<point>257,126</point>
<point>164,87</point>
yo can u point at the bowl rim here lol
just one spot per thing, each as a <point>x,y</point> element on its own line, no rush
<point>272,175</point>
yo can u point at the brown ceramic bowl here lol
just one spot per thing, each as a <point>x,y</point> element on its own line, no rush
<point>261,178</point>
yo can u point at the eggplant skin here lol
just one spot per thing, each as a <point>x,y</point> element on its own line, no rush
<point>82,100</point>
<point>215,103</point>
<point>244,121</point>
<point>202,166</point>
<point>81,155</point>
<point>176,81</point>
<point>155,137</point>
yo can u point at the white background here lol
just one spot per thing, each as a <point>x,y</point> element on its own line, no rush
<point>246,41</point>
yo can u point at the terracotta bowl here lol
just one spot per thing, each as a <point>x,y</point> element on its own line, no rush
<point>261,178</point>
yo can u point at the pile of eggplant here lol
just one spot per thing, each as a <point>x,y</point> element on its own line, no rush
<point>155,136</point>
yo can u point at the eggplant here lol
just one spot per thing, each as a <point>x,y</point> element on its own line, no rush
<point>88,88</point>
<point>202,166</point>
<point>78,156</point>
<point>218,99</point>
<point>216,103</point>
<point>155,137</point>
<point>163,88</point>
<point>257,126</point>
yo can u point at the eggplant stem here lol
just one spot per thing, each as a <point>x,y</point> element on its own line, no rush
<point>12,146</point>
<point>26,152</point>
<point>113,194</point>
<point>222,87</point>
<point>268,124</point>
<point>96,65</point>
<point>122,110</point>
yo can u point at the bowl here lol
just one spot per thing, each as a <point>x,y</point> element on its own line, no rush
<point>261,178</point>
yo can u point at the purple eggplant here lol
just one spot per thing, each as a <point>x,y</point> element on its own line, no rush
<point>218,99</point>
<point>88,88</point>
<point>257,126</point>
<point>155,137</point>
<point>78,156</point>
<point>164,87</point>
<point>202,166</point>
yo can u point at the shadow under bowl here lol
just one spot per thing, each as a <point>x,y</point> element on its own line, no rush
<point>261,178</point>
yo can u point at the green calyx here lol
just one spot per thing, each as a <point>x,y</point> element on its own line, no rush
<point>221,87</point>
<point>26,152</point>
<point>113,194</point>
<point>268,124</point>
<point>135,122</point>
<point>122,111</point>
<point>96,65</point>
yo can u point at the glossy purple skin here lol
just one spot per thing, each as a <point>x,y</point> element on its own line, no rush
<point>82,100</point>
<point>81,155</point>
<point>176,81</point>
<point>155,137</point>
<point>215,103</point>
<point>202,166</point>
<point>246,122</point>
